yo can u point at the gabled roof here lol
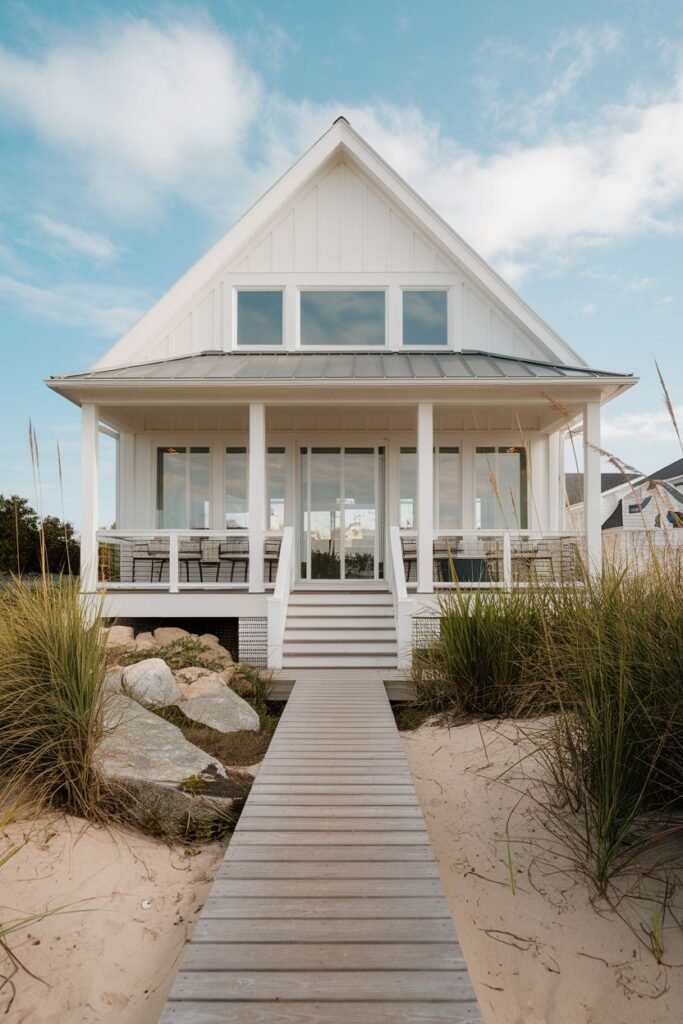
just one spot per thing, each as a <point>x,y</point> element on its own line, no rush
<point>343,365</point>
<point>573,483</point>
<point>340,140</point>
<point>613,481</point>
<point>669,472</point>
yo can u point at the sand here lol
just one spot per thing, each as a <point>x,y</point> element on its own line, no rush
<point>132,903</point>
<point>548,954</point>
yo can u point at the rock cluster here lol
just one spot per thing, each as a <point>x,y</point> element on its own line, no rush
<point>147,755</point>
<point>152,684</point>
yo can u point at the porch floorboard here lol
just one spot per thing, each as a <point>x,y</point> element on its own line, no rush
<point>328,906</point>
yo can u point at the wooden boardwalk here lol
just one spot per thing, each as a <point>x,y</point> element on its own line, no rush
<point>328,908</point>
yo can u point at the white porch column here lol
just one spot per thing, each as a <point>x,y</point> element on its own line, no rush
<point>90,426</point>
<point>425,498</point>
<point>591,485</point>
<point>257,494</point>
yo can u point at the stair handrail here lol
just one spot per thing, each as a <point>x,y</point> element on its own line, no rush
<point>279,602</point>
<point>403,604</point>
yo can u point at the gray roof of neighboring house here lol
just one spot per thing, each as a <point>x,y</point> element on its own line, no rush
<point>573,483</point>
<point>344,365</point>
<point>670,472</point>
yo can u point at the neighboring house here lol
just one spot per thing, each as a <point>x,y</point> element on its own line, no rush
<point>338,406</point>
<point>632,502</point>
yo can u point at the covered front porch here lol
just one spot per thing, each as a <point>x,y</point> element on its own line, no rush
<point>224,509</point>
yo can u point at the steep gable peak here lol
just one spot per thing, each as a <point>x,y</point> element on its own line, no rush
<point>341,209</point>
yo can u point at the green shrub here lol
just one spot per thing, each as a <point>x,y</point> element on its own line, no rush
<point>182,653</point>
<point>51,715</point>
<point>485,659</point>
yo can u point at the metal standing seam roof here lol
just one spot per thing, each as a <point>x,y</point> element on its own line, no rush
<point>348,365</point>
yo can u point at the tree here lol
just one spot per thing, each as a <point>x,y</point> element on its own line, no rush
<point>20,540</point>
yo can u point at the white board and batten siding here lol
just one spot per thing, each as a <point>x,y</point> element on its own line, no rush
<point>339,231</point>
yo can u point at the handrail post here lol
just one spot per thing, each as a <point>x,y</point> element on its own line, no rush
<point>277,603</point>
<point>173,566</point>
<point>403,605</point>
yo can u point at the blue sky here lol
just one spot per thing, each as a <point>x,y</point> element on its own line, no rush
<point>133,134</point>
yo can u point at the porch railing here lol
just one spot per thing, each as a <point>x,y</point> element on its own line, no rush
<point>636,550</point>
<point>176,560</point>
<point>403,605</point>
<point>498,559</point>
<point>279,602</point>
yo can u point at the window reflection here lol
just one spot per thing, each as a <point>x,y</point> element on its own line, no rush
<point>425,318</point>
<point>236,493</point>
<point>501,488</point>
<point>183,488</point>
<point>259,318</point>
<point>350,319</point>
<point>276,479</point>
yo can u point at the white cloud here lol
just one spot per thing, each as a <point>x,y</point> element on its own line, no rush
<point>142,107</point>
<point>550,75</point>
<point>158,111</point>
<point>652,427</point>
<point>107,310</point>
<point>85,243</point>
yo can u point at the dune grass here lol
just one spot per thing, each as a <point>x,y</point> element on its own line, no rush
<point>52,662</point>
<point>603,659</point>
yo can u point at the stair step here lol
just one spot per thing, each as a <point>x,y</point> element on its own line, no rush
<point>335,661</point>
<point>320,633</point>
<point>326,614</point>
<point>339,647</point>
<point>316,598</point>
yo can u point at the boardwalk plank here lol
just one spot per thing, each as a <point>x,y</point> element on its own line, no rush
<point>342,869</point>
<point>320,1013</point>
<point>315,956</point>
<point>256,930</point>
<point>339,907</point>
<point>310,887</point>
<point>324,985</point>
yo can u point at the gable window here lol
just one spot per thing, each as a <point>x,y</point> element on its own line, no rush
<point>501,488</point>
<point>343,319</point>
<point>425,318</point>
<point>259,318</point>
<point>236,493</point>
<point>183,488</point>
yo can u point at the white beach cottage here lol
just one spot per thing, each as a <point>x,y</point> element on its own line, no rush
<point>337,409</point>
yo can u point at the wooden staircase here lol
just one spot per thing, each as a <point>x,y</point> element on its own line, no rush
<point>340,629</point>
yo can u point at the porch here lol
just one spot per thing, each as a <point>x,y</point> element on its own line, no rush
<point>227,510</point>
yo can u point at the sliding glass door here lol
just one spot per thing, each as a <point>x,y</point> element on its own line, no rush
<point>342,514</point>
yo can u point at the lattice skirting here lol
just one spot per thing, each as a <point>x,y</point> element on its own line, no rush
<point>425,630</point>
<point>253,641</point>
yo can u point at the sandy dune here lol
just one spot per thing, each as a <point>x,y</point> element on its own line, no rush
<point>132,901</point>
<point>544,955</point>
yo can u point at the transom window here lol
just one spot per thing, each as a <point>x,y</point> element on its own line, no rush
<point>259,318</point>
<point>501,488</point>
<point>425,318</point>
<point>183,488</point>
<point>343,319</point>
